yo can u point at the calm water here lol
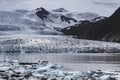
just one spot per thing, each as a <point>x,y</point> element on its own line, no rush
<point>74,61</point>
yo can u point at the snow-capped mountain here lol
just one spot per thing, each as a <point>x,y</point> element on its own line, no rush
<point>39,21</point>
<point>61,18</point>
<point>54,19</point>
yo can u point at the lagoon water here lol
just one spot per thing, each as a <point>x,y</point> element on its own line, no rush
<point>73,61</point>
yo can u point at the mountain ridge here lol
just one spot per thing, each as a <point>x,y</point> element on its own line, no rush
<point>106,29</point>
<point>39,21</point>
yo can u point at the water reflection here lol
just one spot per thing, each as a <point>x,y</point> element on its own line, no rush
<point>75,58</point>
<point>74,61</point>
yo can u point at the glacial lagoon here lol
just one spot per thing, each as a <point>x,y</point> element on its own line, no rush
<point>73,61</point>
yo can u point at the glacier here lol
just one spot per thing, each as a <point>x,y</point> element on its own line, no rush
<point>54,44</point>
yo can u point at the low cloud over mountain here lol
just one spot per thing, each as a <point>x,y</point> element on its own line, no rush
<point>101,7</point>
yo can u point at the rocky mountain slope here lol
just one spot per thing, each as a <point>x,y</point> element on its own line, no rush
<point>107,29</point>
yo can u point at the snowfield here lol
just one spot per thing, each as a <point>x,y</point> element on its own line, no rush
<point>54,44</point>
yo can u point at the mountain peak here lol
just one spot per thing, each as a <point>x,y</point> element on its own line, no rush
<point>116,14</point>
<point>41,9</point>
<point>60,10</point>
<point>42,13</point>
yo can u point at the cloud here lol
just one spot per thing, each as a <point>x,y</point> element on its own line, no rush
<point>109,3</point>
<point>102,7</point>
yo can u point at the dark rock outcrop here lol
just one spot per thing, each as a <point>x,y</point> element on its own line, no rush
<point>67,19</point>
<point>107,29</point>
<point>42,13</point>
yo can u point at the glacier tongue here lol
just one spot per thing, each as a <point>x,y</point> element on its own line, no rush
<point>54,44</point>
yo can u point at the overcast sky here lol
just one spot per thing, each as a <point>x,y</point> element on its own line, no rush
<point>102,7</point>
